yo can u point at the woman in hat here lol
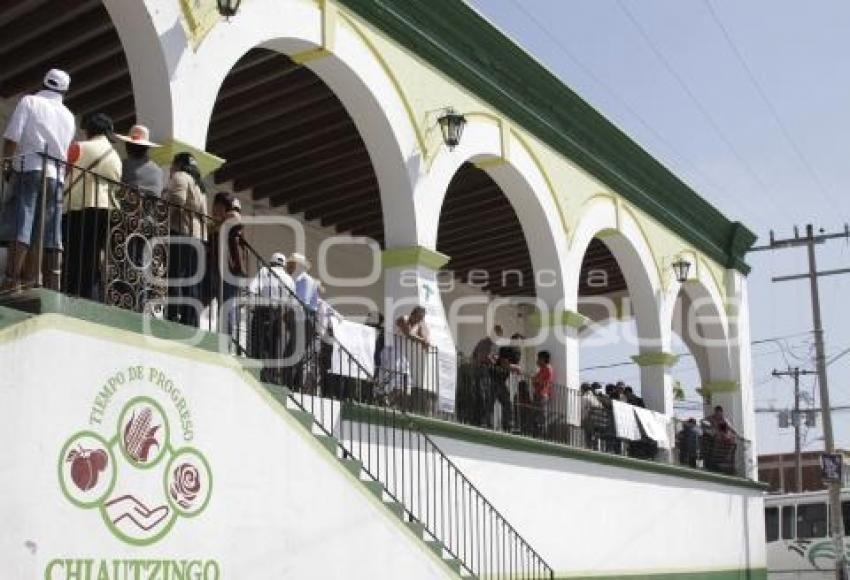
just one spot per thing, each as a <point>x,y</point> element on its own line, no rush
<point>137,170</point>
<point>188,226</point>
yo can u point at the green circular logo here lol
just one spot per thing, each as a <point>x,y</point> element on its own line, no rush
<point>136,479</point>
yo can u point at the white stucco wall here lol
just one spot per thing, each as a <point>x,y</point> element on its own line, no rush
<point>279,506</point>
<point>590,518</point>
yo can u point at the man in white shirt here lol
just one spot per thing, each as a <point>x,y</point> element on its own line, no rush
<point>306,287</point>
<point>271,319</point>
<point>273,282</point>
<point>40,123</point>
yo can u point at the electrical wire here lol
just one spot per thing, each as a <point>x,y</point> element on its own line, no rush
<point>609,90</point>
<point>703,110</point>
<point>815,176</point>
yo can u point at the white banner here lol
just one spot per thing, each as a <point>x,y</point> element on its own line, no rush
<point>359,340</point>
<point>625,422</point>
<point>655,425</point>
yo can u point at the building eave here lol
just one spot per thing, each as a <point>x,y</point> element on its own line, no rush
<point>459,42</point>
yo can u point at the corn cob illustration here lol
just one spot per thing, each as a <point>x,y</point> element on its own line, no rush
<point>139,436</point>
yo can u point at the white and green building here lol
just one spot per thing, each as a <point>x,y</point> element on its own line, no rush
<point>325,115</point>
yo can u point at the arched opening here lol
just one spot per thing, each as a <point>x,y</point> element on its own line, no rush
<point>616,294</point>
<point>490,260</point>
<point>293,149</point>
<point>699,332</point>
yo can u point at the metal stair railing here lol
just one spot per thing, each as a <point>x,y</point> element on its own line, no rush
<point>439,502</point>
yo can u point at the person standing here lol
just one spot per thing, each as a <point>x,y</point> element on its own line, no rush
<point>93,175</point>
<point>225,267</point>
<point>138,170</point>
<point>270,326</point>
<point>186,197</point>
<point>543,380</point>
<point>40,123</point>
<point>484,357</point>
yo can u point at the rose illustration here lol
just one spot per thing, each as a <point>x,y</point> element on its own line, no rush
<point>185,485</point>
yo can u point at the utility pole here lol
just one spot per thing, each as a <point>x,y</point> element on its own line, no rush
<point>809,241</point>
<point>795,420</point>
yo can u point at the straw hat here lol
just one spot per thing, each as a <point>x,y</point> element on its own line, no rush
<point>299,259</point>
<point>139,135</point>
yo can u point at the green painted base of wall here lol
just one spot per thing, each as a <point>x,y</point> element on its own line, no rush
<point>43,301</point>
<point>755,574</point>
<point>358,412</point>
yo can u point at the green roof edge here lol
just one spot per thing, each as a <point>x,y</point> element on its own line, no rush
<point>454,38</point>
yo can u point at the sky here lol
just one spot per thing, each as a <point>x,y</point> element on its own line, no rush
<point>749,104</point>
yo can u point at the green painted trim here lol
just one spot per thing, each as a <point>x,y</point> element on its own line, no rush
<point>720,387</point>
<point>207,162</point>
<point>745,574</point>
<point>413,256</point>
<point>10,317</point>
<point>456,40</point>
<point>566,318</point>
<point>651,359</point>
<point>43,301</point>
<point>362,413</point>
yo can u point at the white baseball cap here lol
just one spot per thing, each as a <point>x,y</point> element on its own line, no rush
<point>278,259</point>
<point>57,80</point>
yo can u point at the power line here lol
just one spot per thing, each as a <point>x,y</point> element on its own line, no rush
<point>770,107</point>
<point>687,354</point>
<point>563,49</point>
<point>700,107</point>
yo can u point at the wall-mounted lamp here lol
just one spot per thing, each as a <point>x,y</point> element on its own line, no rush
<point>228,8</point>
<point>680,269</point>
<point>451,125</point>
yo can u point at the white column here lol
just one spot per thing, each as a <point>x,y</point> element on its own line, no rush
<point>737,396</point>
<point>410,279</point>
<point>656,383</point>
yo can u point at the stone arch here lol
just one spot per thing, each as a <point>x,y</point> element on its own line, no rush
<point>185,78</point>
<point>603,218</point>
<point>695,311</point>
<point>522,183</point>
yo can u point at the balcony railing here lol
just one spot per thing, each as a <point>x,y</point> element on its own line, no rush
<point>142,253</point>
<point>158,259</point>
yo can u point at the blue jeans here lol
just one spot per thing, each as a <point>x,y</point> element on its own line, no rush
<point>21,214</point>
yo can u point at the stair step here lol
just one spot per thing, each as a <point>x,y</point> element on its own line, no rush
<point>303,417</point>
<point>396,508</point>
<point>453,563</point>
<point>354,466</point>
<point>436,547</point>
<point>376,488</point>
<point>417,528</point>
<point>328,443</point>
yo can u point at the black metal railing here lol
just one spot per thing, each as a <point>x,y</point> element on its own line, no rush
<point>141,252</point>
<point>364,410</point>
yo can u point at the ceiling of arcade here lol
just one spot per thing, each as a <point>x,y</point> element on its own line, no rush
<point>286,137</point>
<point>36,35</point>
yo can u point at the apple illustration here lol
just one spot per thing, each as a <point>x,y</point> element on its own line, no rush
<point>86,465</point>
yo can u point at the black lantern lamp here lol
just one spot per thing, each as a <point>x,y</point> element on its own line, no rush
<point>452,124</point>
<point>681,269</point>
<point>228,8</point>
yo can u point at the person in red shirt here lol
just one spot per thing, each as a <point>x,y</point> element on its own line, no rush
<point>543,381</point>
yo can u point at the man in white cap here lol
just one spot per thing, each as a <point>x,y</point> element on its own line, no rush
<point>40,122</point>
<point>137,169</point>
<point>273,282</point>
<point>270,289</point>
